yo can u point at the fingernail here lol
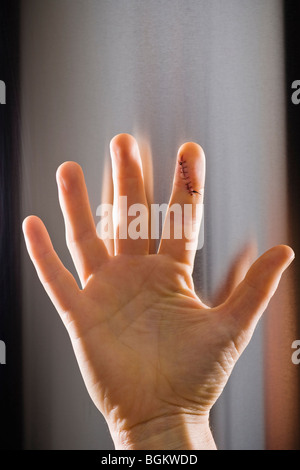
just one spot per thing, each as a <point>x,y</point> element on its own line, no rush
<point>68,176</point>
<point>62,183</point>
<point>290,260</point>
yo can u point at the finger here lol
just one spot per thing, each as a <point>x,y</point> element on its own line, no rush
<point>87,250</point>
<point>104,210</point>
<point>130,203</point>
<point>56,279</point>
<point>147,165</point>
<point>184,214</point>
<point>237,272</point>
<point>251,297</point>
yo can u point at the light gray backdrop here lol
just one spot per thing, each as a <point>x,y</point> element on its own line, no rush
<point>166,71</point>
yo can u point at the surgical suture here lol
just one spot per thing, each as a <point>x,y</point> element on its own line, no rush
<point>185,176</point>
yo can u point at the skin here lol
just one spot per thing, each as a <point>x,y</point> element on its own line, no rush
<point>153,356</point>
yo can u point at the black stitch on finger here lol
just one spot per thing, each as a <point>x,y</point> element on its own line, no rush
<point>184,173</point>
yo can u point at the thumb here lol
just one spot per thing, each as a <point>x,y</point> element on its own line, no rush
<point>251,297</point>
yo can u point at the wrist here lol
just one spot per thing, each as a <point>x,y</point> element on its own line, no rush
<point>183,432</point>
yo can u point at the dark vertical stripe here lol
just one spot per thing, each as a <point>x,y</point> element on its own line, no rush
<point>10,286</point>
<point>292,51</point>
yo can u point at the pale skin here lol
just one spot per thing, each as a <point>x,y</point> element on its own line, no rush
<point>153,356</point>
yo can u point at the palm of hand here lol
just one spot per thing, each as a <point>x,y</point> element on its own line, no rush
<point>161,336</point>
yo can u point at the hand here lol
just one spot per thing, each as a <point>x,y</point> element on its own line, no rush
<point>154,358</point>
